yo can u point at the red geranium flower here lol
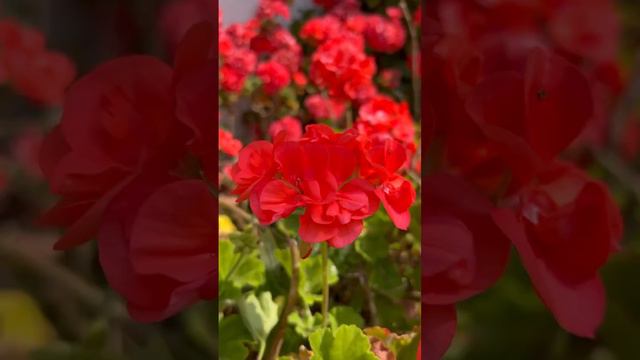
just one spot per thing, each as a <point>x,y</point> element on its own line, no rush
<point>384,35</point>
<point>383,118</point>
<point>341,66</point>
<point>274,76</point>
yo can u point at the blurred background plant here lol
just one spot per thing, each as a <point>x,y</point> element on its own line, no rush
<point>56,305</point>
<point>509,321</point>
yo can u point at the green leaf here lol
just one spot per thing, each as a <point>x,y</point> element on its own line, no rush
<point>310,285</point>
<point>245,241</point>
<point>260,314</point>
<point>347,342</point>
<point>386,279</point>
<point>305,323</point>
<point>345,315</point>
<point>373,244</point>
<point>233,334</point>
<point>239,269</point>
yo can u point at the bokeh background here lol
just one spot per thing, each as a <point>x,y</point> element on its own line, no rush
<point>56,305</point>
<point>509,321</point>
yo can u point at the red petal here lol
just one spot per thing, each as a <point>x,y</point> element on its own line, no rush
<point>346,234</point>
<point>578,306</point>
<point>313,232</point>
<point>173,233</point>
<point>438,328</point>
<point>558,102</point>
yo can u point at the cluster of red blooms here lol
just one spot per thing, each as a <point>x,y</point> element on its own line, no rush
<point>261,46</point>
<point>339,179</point>
<point>511,85</point>
<point>336,179</point>
<point>32,70</point>
<point>123,161</point>
<point>339,65</point>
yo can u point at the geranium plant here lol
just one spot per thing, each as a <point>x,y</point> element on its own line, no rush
<point>323,196</point>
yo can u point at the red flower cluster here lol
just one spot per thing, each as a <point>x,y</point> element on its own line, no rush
<point>382,118</point>
<point>118,160</point>
<point>227,143</point>
<point>29,67</point>
<point>340,64</point>
<point>503,102</point>
<point>261,45</point>
<point>339,179</point>
<point>274,76</point>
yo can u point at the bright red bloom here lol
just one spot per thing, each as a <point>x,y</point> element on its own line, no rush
<point>319,168</point>
<point>242,34</point>
<point>255,165</point>
<point>280,46</point>
<point>274,76</point>
<point>382,160</point>
<point>286,129</point>
<point>382,118</point>
<point>238,64</point>
<point>384,35</point>
<point>227,143</point>
<point>341,66</point>
<point>321,29</point>
<point>320,173</point>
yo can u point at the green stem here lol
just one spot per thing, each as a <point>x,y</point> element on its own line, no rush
<point>263,347</point>
<point>277,336</point>
<point>325,284</point>
<point>234,268</point>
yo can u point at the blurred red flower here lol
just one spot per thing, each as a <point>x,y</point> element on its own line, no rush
<point>32,70</point>
<point>117,161</point>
